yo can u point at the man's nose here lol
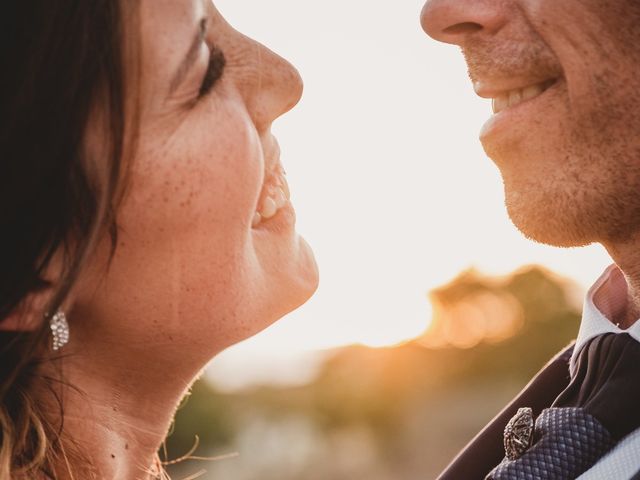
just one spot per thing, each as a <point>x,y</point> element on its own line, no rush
<point>453,21</point>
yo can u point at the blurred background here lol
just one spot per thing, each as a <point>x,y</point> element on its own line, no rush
<point>433,310</point>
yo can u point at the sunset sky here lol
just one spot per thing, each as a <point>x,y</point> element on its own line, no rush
<point>390,183</point>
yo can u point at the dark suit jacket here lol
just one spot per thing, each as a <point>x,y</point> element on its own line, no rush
<point>486,450</point>
<point>580,418</point>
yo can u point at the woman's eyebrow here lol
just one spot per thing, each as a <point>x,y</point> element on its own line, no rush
<point>190,57</point>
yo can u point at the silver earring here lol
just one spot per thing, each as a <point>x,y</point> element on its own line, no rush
<point>59,329</point>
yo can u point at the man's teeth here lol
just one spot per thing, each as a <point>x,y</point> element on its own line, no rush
<point>515,97</point>
<point>277,195</point>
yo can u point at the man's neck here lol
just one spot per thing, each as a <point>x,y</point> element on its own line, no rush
<point>632,313</point>
<point>627,256</point>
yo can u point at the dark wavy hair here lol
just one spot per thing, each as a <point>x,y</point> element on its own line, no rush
<point>62,61</point>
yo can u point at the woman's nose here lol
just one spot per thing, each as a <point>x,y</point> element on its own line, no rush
<point>453,21</point>
<point>278,88</point>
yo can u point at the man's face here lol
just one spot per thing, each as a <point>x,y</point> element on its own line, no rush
<point>564,76</point>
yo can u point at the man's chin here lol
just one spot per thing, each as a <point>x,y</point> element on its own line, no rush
<point>545,225</point>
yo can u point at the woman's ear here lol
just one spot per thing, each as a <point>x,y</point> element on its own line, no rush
<point>28,315</point>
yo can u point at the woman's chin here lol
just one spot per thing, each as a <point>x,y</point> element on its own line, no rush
<point>289,282</point>
<point>309,278</point>
<point>299,279</point>
<point>279,305</point>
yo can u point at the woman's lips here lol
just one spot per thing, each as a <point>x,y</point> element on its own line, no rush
<point>275,196</point>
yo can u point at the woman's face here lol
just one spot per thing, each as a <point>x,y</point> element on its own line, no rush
<point>207,253</point>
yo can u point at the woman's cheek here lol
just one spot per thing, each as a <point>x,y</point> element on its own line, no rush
<point>209,177</point>
<point>228,163</point>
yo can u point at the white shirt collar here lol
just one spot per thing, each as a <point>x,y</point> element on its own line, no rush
<point>608,294</point>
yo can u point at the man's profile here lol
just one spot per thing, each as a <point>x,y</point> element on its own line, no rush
<point>565,135</point>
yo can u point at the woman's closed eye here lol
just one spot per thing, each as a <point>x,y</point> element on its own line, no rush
<point>214,72</point>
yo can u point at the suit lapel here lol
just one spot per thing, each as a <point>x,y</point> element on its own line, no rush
<point>486,450</point>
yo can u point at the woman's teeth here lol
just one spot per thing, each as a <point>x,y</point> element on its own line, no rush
<point>275,195</point>
<point>515,97</point>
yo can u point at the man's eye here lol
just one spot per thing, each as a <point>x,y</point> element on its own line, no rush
<point>214,71</point>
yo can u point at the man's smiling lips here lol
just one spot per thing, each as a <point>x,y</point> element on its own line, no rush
<point>515,100</point>
<point>509,93</point>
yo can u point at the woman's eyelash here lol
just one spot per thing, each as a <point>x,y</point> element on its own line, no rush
<point>214,71</point>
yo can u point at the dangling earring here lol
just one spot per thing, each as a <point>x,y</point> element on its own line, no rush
<point>60,330</point>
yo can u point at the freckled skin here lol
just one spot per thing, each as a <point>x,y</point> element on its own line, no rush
<point>190,276</point>
<point>189,256</point>
<point>571,175</point>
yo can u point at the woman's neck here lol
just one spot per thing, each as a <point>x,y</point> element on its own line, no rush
<point>117,411</point>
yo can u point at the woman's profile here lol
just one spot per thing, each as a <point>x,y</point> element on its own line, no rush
<point>145,218</point>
